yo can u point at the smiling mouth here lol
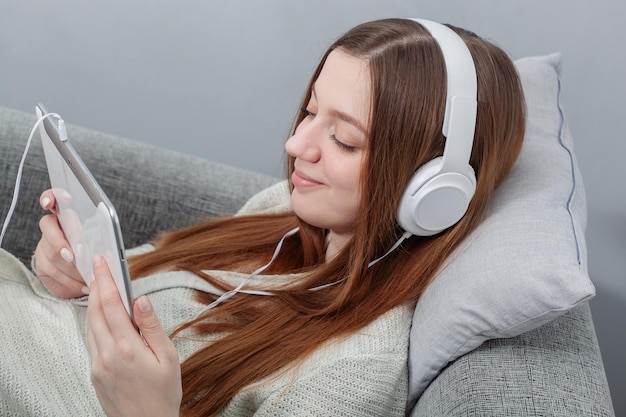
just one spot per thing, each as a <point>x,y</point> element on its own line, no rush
<point>299,179</point>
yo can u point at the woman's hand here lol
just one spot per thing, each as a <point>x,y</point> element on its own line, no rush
<point>54,259</point>
<point>134,374</point>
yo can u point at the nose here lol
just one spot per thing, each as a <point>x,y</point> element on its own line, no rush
<point>305,144</point>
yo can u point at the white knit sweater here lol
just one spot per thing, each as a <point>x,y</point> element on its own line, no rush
<point>44,360</point>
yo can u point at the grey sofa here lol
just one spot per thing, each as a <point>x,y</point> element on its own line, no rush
<point>554,370</point>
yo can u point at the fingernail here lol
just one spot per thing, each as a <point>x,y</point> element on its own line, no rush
<point>44,202</point>
<point>67,255</point>
<point>85,290</point>
<point>97,260</point>
<point>144,305</point>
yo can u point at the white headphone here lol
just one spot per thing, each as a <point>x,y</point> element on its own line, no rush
<point>440,191</point>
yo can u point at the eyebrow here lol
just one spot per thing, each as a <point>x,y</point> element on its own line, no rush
<point>343,116</point>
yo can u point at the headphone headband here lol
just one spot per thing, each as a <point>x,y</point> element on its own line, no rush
<point>459,120</point>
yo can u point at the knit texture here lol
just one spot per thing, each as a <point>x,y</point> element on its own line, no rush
<point>44,365</point>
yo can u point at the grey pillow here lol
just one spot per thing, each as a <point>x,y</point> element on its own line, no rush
<point>527,262</point>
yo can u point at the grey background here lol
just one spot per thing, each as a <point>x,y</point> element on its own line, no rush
<point>222,79</point>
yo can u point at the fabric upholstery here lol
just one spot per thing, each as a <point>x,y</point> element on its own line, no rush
<point>554,370</point>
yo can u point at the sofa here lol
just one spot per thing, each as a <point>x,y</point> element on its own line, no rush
<point>550,368</point>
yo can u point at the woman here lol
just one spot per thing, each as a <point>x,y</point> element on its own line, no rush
<point>330,335</point>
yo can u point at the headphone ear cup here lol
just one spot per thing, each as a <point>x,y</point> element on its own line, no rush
<point>434,201</point>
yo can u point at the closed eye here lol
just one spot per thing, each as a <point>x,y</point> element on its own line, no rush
<point>342,145</point>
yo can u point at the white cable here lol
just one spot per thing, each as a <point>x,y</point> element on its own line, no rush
<point>239,289</point>
<point>404,237</point>
<point>16,191</point>
<point>229,294</point>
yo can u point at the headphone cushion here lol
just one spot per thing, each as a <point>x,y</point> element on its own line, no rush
<point>434,200</point>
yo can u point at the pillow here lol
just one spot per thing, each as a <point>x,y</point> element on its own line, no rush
<point>527,262</point>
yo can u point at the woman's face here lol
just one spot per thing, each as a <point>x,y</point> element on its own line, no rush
<point>329,146</point>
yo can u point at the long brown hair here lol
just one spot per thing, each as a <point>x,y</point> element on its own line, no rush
<point>261,335</point>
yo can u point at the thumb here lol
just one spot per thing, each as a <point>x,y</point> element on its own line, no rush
<point>150,327</point>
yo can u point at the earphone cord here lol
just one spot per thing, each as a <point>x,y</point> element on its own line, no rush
<point>16,191</point>
<point>228,294</point>
<point>404,237</point>
<point>239,289</point>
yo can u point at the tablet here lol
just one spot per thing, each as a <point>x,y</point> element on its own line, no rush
<point>86,215</point>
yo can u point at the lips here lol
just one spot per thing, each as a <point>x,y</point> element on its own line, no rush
<point>301,180</point>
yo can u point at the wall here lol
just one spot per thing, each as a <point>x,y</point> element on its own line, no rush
<point>222,80</point>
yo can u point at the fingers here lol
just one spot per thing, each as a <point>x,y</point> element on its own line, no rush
<point>50,197</point>
<point>50,225</point>
<point>47,200</point>
<point>98,330</point>
<point>109,319</point>
<point>56,280</point>
<point>152,331</point>
<point>54,261</point>
<point>56,246</point>
<point>109,300</point>
<point>100,337</point>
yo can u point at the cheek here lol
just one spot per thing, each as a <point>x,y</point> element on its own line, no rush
<point>348,176</point>
<point>348,185</point>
